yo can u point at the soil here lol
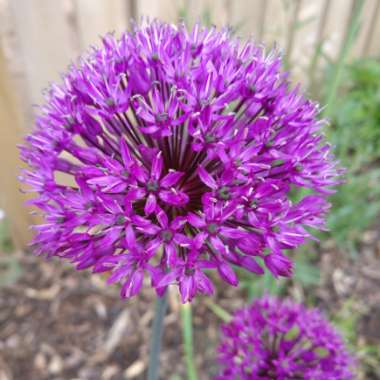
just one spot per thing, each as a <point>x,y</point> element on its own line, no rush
<point>60,324</point>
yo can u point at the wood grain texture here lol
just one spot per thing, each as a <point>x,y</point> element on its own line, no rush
<point>371,46</point>
<point>98,17</point>
<point>366,20</point>
<point>50,34</point>
<point>248,17</point>
<point>43,34</point>
<point>11,199</point>
<point>165,10</point>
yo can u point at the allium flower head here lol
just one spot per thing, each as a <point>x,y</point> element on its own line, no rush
<point>281,340</point>
<point>170,151</point>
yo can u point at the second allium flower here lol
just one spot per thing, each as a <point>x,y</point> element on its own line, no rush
<point>171,151</point>
<point>274,339</point>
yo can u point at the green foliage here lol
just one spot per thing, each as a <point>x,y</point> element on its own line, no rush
<point>187,332</point>
<point>355,132</point>
<point>256,286</point>
<point>205,17</point>
<point>355,207</point>
<point>5,240</point>
<point>333,84</point>
<point>346,320</point>
<point>10,269</point>
<point>306,271</point>
<point>218,310</point>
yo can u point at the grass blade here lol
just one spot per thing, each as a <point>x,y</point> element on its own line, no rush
<point>187,330</point>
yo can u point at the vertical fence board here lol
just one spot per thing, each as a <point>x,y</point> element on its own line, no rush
<point>276,26</point>
<point>247,18</point>
<point>165,10</point>
<point>334,31</point>
<point>365,25</point>
<point>43,33</point>
<point>95,18</point>
<point>305,32</point>
<point>46,42</point>
<point>216,10</point>
<point>212,12</point>
<point>315,56</point>
<point>11,200</point>
<point>372,47</point>
<point>292,28</point>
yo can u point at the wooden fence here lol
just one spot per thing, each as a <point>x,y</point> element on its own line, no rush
<point>39,39</point>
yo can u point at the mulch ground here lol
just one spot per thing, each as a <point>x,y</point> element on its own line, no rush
<point>59,324</point>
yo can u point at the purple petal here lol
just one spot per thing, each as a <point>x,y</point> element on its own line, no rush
<point>178,222</point>
<point>150,129</point>
<point>250,264</point>
<point>206,264</point>
<point>171,179</point>
<point>150,205</point>
<point>203,283</point>
<point>195,220</point>
<point>162,219</point>
<point>135,193</point>
<point>168,278</point>
<point>120,273</point>
<point>227,273</point>
<point>125,154</point>
<point>174,198</point>
<point>171,254</point>
<point>157,166</point>
<point>279,265</point>
<point>182,239</point>
<point>133,284</point>
<point>233,233</point>
<point>187,288</point>
<point>206,178</point>
<point>200,239</point>
<point>153,245</point>
<point>218,244</point>
<point>108,181</point>
<point>130,236</point>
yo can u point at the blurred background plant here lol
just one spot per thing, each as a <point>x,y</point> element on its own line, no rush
<point>350,92</point>
<point>10,268</point>
<point>355,132</point>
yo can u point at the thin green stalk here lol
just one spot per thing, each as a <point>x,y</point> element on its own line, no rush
<point>155,342</point>
<point>224,315</point>
<point>336,79</point>
<point>318,51</point>
<point>187,331</point>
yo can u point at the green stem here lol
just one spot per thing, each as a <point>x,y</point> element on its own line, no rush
<point>155,343</point>
<point>224,315</point>
<point>187,330</point>
<point>336,79</point>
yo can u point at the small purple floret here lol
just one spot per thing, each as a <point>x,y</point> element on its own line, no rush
<point>280,340</point>
<point>170,151</point>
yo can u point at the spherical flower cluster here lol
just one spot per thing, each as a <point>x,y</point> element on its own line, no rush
<point>168,152</point>
<point>281,340</point>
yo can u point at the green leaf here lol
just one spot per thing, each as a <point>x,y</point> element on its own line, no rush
<point>187,332</point>
<point>306,273</point>
<point>10,271</point>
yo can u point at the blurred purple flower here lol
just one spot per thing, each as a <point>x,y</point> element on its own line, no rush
<point>274,339</point>
<point>170,151</point>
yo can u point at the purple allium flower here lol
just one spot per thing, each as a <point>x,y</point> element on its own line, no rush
<point>281,340</point>
<point>171,151</point>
